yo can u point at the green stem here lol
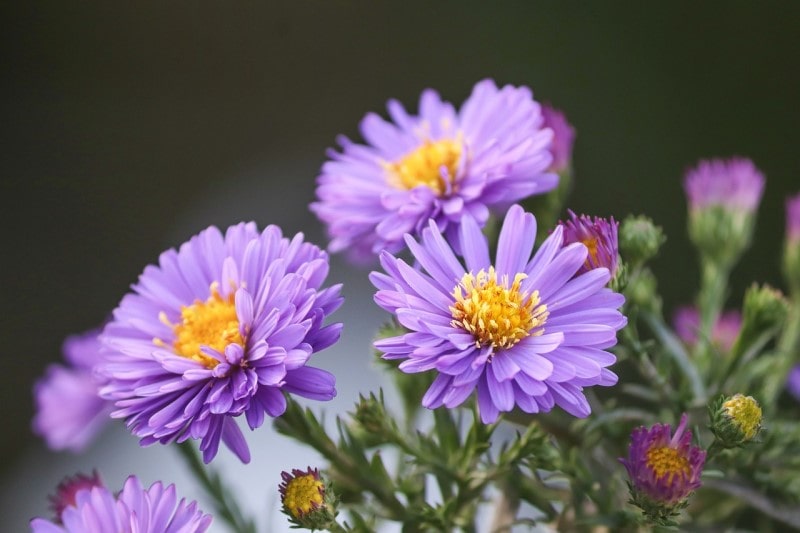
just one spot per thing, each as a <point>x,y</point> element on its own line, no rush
<point>710,301</point>
<point>225,505</point>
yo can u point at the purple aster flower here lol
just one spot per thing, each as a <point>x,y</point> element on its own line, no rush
<point>734,183</point>
<point>69,411</point>
<point>664,468</point>
<point>687,323</point>
<point>793,382</point>
<point>525,332</point>
<point>220,328</point>
<point>439,165</point>
<point>600,237</point>
<point>563,138</point>
<point>793,218</point>
<point>134,510</point>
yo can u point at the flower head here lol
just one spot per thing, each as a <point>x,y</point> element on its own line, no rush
<point>220,328</point>
<point>734,183</point>
<point>134,510</point>
<point>306,500</point>
<point>67,491</point>
<point>563,138</point>
<point>600,238</point>
<point>723,334</point>
<point>735,420</point>
<point>523,332</point>
<point>664,469</point>
<point>441,165</point>
<point>69,410</point>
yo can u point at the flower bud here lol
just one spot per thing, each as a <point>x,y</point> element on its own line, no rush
<point>764,308</point>
<point>641,291</point>
<point>735,420</point>
<point>306,500</point>
<point>639,239</point>
<point>563,139</point>
<point>723,196</point>
<point>69,488</point>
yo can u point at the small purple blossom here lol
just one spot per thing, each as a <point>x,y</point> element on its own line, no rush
<point>67,491</point>
<point>793,382</point>
<point>600,238</point>
<point>563,138</point>
<point>134,510</point>
<point>442,164</point>
<point>734,183</point>
<point>662,467</point>
<point>724,333</point>
<point>523,331</point>
<point>69,410</point>
<point>793,218</point>
<point>221,328</point>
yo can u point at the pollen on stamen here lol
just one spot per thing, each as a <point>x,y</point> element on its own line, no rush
<point>433,164</point>
<point>212,323</point>
<point>496,314</point>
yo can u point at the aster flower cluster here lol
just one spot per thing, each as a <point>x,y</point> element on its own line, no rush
<point>527,354</point>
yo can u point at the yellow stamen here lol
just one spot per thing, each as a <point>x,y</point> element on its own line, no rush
<point>591,245</point>
<point>668,462</point>
<point>212,323</point>
<point>496,314</point>
<point>303,494</point>
<point>433,164</point>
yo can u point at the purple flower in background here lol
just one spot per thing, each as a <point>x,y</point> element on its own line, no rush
<point>793,382</point>
<point>441,165</point>
<point>67,490</point>
<point>687,323</point>
<point>664,468</point>
<point>95,509</point>
<point>220,328</point>
<point>523,332</point>
<point>563,138</point>
<point>600,238</point>
<point>793,218</point>
<point>735,184</point>
<point>69,411</point>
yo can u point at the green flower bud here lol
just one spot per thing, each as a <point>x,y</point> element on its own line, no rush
<point>641,291</point>
<point>735,420</point>
<point>764,308</point>
<point>639,239</point>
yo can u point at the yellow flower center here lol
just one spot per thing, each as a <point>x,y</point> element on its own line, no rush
<point>496,314</point>
<point>212,323</point>
<point>745,413</point>
<point>591,245</point>
<point>303,494</point>
<point>668,462</point>
<point>433,165</point>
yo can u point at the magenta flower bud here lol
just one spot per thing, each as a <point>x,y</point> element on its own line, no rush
<point>599,235</point>
<point>563,138</point>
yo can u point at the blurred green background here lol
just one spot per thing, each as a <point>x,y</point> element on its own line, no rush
<point>125,122</point>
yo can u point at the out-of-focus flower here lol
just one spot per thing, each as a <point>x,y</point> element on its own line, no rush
<point>793,382</point>
<point>687,323</point>
<point>791,251</point>
<point>664,469</point>
<point>563,138</point>
<point>723,196</point>
<point>221,328</point>
<point>305,499</point>
<point>95,509</point>
<point>439,165</point>
<point>67,491</point>
<point>735,420</point>
<point>69,410</point>
<point>599,235</point>
<point>523,332</point>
